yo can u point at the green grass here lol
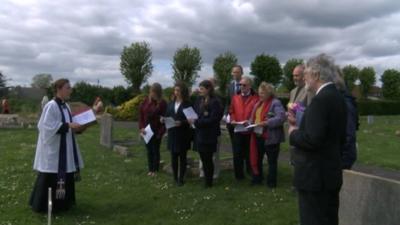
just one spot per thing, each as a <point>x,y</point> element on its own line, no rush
<point>377,142</point>
<point>116,190</point>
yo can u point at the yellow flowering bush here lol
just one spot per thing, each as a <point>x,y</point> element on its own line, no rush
<point>128,110</point>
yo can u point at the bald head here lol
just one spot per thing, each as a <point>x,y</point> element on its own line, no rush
<point>298,75</point>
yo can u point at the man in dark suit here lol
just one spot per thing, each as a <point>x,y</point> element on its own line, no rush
<point>318,142</point>
<point>233,89</point>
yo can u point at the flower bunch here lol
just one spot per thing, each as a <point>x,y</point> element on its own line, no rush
<point>295,107</point>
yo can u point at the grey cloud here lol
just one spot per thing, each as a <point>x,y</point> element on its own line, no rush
<point>83,40</point>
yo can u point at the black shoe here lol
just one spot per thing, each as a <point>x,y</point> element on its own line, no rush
<point>255,182</point>
<point>239,178</point>
<point>208,183</point>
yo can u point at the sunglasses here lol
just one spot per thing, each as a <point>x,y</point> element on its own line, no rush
<point>243,85</point>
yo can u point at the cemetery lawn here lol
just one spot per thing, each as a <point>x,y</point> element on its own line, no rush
<point>116,190</point>
<point>378,144</point>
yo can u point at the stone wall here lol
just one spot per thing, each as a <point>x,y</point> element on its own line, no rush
<point>369,200</point>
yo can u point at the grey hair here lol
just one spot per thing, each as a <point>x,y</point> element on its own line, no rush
<point>322,65</point>
<point>339,79</point>
<point>248,79</point>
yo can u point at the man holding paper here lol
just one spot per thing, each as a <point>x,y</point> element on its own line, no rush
<point>58,159</point>
<point>179,131</point>
<point>239,111</point>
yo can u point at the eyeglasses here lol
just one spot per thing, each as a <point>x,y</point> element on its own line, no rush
<point>243,85</point>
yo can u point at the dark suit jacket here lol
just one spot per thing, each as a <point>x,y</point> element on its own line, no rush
<point>318,142</point>
<point>231,93</point>
<point>207,125</point>
<point>179,138</point>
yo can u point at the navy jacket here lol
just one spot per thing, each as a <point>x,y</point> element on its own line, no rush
<point>349,151</point>
<point>180,137</point>
<point>207,125</point>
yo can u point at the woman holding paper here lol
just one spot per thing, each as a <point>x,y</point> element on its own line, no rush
<point>150,112</point>
<point>209,114</point>
<point>179,131</point>
<point>267,117</point>
<point>58,159</point>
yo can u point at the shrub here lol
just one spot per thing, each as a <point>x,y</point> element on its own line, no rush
<point>378,107</point>
<point>23,106</point>
<point>128,110</point>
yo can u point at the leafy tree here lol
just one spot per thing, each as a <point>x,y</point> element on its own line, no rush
<point>42,80</point>
<point>367,80</point>
<point>120,95</point>
<point>3,80</point>
<point>87,93</point>
<point>351,74</point>
<point>186,64</point>
<point>288,73</point>
<point>391,84</point>
<point>222,70</point>
<point>136,64</point>
<point>266,68</point>
<point>3,83</point>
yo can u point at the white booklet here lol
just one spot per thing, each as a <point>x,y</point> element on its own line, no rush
<point>84,117</point>
<point>251,126</point>
<point>190,113</point>
<point>240,127</point>
<point>169,122</point>
<point>256,128</point>
<point>148,135</point>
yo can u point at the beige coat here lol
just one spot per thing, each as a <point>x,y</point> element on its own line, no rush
<point>303,96</point>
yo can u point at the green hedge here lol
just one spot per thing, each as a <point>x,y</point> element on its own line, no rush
<point>378,107</point>
<point>23,105</point>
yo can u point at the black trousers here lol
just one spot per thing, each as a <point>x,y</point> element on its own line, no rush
<point>318,207</point>
<point>208,167</point>
<point>153,154</point>
<point>231,132</point>
<point>39,197</point>
<point>241,150</point>
<point>179,161</point>
<point>272,152</point>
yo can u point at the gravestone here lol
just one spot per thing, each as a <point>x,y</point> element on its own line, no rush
<point>370,119</point>
<point>106,130</point>
<point>122,150</point>
<point>369,200</point>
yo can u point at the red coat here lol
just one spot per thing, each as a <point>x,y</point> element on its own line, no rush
<point>5,106</point>
<point>241,107</point>
<point>150,112</point>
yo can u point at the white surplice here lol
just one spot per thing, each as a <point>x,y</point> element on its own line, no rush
<point>48,145</point>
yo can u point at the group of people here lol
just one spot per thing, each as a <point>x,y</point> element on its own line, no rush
<point>322,139</point>
<point>321,136</point>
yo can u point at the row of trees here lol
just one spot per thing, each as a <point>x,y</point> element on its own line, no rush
<point>136,66</point>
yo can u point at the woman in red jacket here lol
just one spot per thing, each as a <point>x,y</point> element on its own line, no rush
<point>151,110</point>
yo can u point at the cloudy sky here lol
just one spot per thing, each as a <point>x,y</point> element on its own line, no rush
<point>82,40</point>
